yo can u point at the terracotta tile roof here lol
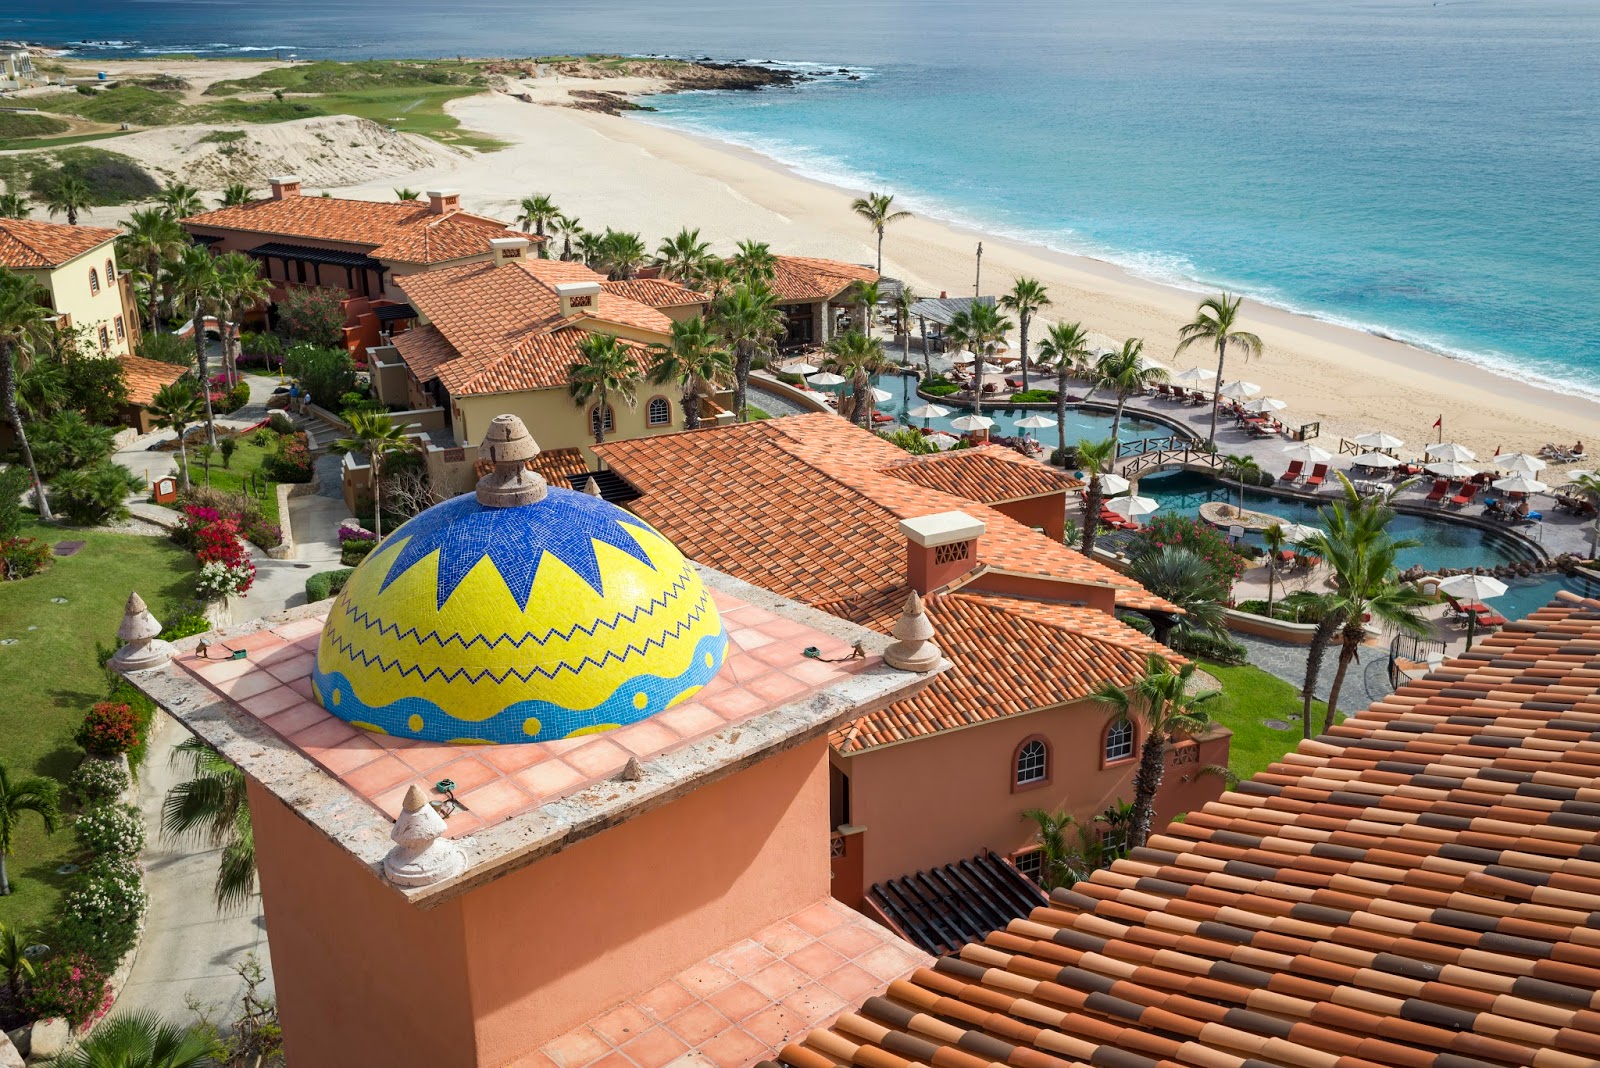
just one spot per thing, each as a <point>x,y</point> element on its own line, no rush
<point>990,474</point>
<point>505,325</point>
<point>806,278</point>
<point>423,349</point>
<point>405,230</point>
<point>657,292</point>
<point>25,243</point>
<point>144,377</point>
<point>556,464</point>
<point>941,909</point>
<point>1417,888</point>
<point>819,523</point>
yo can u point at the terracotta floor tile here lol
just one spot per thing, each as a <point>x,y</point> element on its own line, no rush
<point>852,983</point>
<point>786,628</point>
<point>812,673</point>
<point>300,628</point>
<point>248,685</point>
<point>298,718</point>
<point>295,667</point>
<point>782,654</point>
<point>706,978</point>
<point>425,756</point>
<point>697,1023</point>
<point>783,938</point>
<point>886,962</point>
<point>548,779</point>
<point>654,1048</point>
<point>742,667</point>
<point>328,732</point>
<point>576,1049</point>
<point>816,960</point>
<point>814,1003</point>
<point>215,671</point>
<point>774,1026</point>
<point>749,638</point>
<point>509,758</point>
<point>644,739</point>
<point>744,959</point>
<point>270,701</point>
<point>778,980</point>
<point>735,1048</point>
<point>536,1059</point>
<point>819,918</point>
<point>304,688</point>
<point>599,759</point>
<point>851,941</point>
<point>467,772</point>
<point>736,704</point>
<point>776,687</point>
<point>691,720</point>
<point>277,654</point>
<point>344,757</point>
<point>665,1001</point>
<point>614,1060</point>
<point>738,1000</point>
<point>496,801</point>
<point>373,778</point>
<point>254,643</point>
<point>622,1024</point>
<point>560,747</point>
<point>461,823</point>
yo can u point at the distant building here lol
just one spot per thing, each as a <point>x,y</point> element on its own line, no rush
<point>77,268</point>
<point>16,69</point>
<point>144,379</point>
<point>816,297</point>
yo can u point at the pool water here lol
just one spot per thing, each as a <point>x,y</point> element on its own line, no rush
<point>1442,543</point>
<point>1522,596</point>
<point>1094,426</point>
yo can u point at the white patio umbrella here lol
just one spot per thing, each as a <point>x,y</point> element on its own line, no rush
<point>991,369</point>
<point>1520,484</point>
<point>1375,459</point>
<point>943,441</point>
<point>1450,469</point>
<point>1111,485</point>
<point>826,378</point>
<point>1035,422</point>
<point>1295,533</point>
<point>972,422</point>
<point>1132,507</point>
<point>1377,440</point>
<point>1152,365</point>
<point>1308,453</point>
<point>1194,376</point>
<point>1573,476</point>
<point>1266,404</point>
<point>1521,462</point>
<point>1449,450</point>
<point>929,411</point>
<point>801,368</point>
<point>1472,588</point>
<point>1239,390</point>
<point>881,395</point>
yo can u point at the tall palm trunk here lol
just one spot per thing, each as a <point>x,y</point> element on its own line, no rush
<point>600,419</point>
<point>377,493</point>
<point>1116,420</point>
<point>1061,411</point>
<point>1314,657</point>
<point>153,270</point>
<point>5,883</point>
<point>1022,329</point>
<point>745,357</point>
<point>1347,654</point>
<point>1216,398</point>
<point>861,398</point>
<point>1272,573</point>
<point>977,385</point>
<point>1091,512</point>
<point>691,405</point>
<point>200,366</point>
<point>8,396</point>
<point>880,250</point>
<point>1146,783</point>
<point>905,343</point>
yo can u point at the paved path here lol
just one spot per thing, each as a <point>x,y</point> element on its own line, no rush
<point>1365,682</point>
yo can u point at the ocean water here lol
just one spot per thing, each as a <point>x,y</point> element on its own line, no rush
<point>1428,170</point>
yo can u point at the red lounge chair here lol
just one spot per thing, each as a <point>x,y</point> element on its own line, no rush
<point>1296,468</point>
<point>1436,494</point>
<point>1319,475</point>
<point>1468,491</point>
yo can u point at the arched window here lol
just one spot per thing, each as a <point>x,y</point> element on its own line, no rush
<point>594,420</point>
<point>1032,763</point>
<point>94,280</point>
<point>1119,741</point>
<point>658,412</point>
<point>105,338</point>
<point>111,272</point>
<point>122,331</point>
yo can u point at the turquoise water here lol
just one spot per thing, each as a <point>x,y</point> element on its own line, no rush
<point>1079,424</point>
<point>1524,595</point>
<point>1443,544</point>
<point>1425,169</point>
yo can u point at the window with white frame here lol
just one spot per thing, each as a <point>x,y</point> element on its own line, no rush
<point>94,280</point>
<point>122,331</point>
<point>595,419</point>
<point>1119,741</point>
<point>658,412</point>
<point>1030,863</point>
<point>1033,762</point>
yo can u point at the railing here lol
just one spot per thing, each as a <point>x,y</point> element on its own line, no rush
<point>1139,446</point>
<point>1310,430</point>
<point>1189,453</point>
<point>1409,647</point>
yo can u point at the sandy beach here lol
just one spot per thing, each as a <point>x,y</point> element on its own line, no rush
<point>627,173</point>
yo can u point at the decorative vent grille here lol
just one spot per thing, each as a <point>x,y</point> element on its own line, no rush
<point>952,553</point>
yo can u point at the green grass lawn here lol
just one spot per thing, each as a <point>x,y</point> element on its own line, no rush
<point>51,676</point>
<point>247,460</point>
<point>1248,699</point>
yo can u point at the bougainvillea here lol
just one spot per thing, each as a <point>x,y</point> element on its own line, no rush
<point>1197,536</point>
<point>111,727</point>
<point>70,985</point>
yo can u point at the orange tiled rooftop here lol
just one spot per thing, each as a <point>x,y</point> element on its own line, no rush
<point>27,244</point>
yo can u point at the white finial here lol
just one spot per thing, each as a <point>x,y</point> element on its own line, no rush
<point>508,446</point>
<point>421,855</point>
<point>591,487</point>
<point>914,651</point>
<point>141,631</point>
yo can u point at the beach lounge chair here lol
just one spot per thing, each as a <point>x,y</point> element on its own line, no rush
<point>1468,491</point>
<point>1296,469</point>
<point>1436,494</point>
<point>1319,475</point>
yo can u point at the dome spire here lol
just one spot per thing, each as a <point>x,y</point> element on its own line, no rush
<point>508,446</point>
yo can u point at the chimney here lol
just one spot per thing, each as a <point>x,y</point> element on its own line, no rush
<point>443,201</point>
<point>577,297</point>
<point>284,186</point>
<point>940,548</point>
<point>509,249</point>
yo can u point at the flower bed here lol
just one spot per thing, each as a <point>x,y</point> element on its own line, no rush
<point>226,568</point>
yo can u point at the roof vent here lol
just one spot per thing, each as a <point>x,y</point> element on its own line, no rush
<point>284,186</point>
<point>940,548</point>
<point>443,201</point>
<point>509,249</point>
<point>577,298</point>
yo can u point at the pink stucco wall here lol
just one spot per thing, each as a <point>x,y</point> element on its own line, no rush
<point>364,978</point>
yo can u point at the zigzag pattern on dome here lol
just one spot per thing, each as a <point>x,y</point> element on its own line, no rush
<point>369,621</point>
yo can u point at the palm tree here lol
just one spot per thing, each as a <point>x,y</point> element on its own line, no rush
<point>1273,540</point>
<point>196,282</point>
<point>237,195</point>
<point>748,317</point>
<point>180,201</point>
<point>681,256</point>
<point>609,369</point>
<point>151,238</point>
<point>375,434</point>
<point>1214,322</point>
<point>1240,466</point>
<point>13,206</point>
<point>140,1040</point>
<point>35,794</point>
<point>407,193</point>
<point>240,288</point>
<point>978,327</point>
<point>1059,863</point>
<point>868,294</point>
<point>1182,577</point>
<point>1589,486</point>
<point>878,211</point>
<point>567,228</point>
<point>213,807</point>
<point>22,314</point>
<point>716,276</point>
<point>174,407</point>
<point>755,262</point>
<point>1064,345</point>
<point>858,357</point>
<point>1322,609</point>
<point>14,962</point>
<point>902,304</point>
<point>1028,297</point>
<point>1160,705</point>
<point>1124,373</point>
<point>591,248</point>
<point>695,362</point>
<point>622,253</point>
<point>1095,457</point>
<point>68,195</point>
<point>538,211</point>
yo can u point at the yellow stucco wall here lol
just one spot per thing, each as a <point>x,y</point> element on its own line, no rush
<point>556,422</point>
<point>71,293</point>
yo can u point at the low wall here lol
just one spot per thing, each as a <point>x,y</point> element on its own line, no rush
<point>804,398</point>
<point>419,419</point>
<point>1280,630</point>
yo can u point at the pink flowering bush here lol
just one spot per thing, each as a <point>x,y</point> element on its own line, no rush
<point>70,985</point>
<point>1200,538</point>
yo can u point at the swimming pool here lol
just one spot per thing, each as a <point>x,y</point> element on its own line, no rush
<point>1443,544</point>
<point>1080,424</point>
<point>1526,594</point>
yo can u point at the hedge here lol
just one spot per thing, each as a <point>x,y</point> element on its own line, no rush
<point>325,584</point>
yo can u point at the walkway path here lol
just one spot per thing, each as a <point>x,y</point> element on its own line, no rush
<point>1365,682</point>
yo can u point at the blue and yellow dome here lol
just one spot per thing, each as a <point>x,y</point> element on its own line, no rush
<point>478,623</point>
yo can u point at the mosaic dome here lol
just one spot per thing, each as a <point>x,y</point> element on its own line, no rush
<point>520,613</point>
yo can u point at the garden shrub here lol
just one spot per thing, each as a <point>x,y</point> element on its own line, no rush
<point>325,584</point>
<point>144,711</point>
<point>66,442</point>
<point>291,461</point>
<point>280,423</point>
<point>14,483</point>
<point>325,373</point>
<point>97,781</point>
<point>1196,535</point>
<point>1213,647</point>
<point>349,530</point>
<point>101,914</point>
<point>911,440</point>
<point>352,553</point>
<point>941,389</point>
<point>110,728</point>
<point>94,495</point>
<point>1034,396</point>
<point>22,558</point>
<point>1139,623</point>
<point>113,830</point>
<point>190,622</point>
<point>167,348</point>
<point>68,984</point>
<point>313,317</point>
<point>261,531</point>
<point>1066,458</point>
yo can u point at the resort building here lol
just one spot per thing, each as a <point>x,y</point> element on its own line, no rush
<point>817,297</point>
<point>355,247</point>
<point>17,70</point>
<point>76,266</point>
<point>832,516</point>
<point>144,378</point>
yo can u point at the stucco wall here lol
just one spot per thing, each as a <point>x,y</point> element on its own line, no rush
<point>556,422</point>
<point>71,293</point>
<point>1049,513</point>
<point>481,980</point>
